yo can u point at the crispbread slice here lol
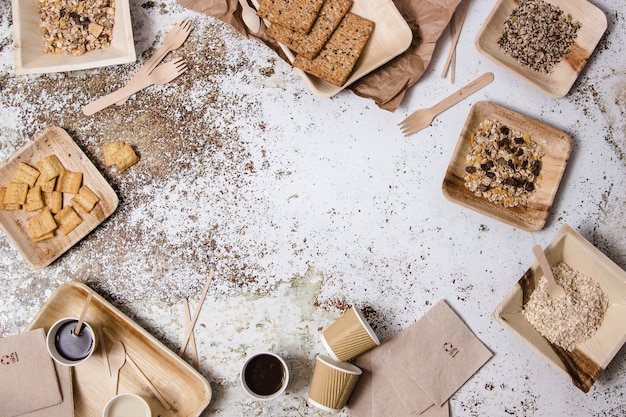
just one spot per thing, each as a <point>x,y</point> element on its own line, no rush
<point>309,45</point>
<point>25,174</point>
<point>337,58</point>
<point>125,157</point>
<point>46,185</point>
<point>50,167</point>
<point>85,200</point>
<point>297,15</point>
<point>67,220</point>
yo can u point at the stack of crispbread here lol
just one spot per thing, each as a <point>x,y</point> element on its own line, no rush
<point>327,38</point>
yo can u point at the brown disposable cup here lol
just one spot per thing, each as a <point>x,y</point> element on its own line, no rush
<point>332,383</point>
<point>349,336</point>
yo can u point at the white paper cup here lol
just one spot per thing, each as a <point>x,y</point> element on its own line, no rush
<point>332,383</point>
<point>264,376</point>
<point>127,405</point>
<point>65,347</point>
<point>349,336</point>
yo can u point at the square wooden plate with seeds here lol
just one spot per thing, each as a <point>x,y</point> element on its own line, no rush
<point>586,362</point>
<point>55,141</point>
<point>391,37</point>
<point>559,81</point>
<point>555,144</point>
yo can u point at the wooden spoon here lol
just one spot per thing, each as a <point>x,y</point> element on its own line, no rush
<point>79,325</point>
<point>249,17</point>
<point>554,289</point>
<point>117,358</point>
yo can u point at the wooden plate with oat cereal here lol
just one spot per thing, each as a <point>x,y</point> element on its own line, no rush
<point>54,140</point>
<point>555,145</point>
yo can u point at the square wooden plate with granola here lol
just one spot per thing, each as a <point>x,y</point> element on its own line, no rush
<point>536,190</point>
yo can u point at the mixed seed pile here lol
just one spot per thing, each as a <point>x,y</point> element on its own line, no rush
<point>538,35</point>
<point>573,318</point>
<point>503,165</point>
<point>73,27</point>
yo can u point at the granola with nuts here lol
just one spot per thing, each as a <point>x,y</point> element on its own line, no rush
<point>74,27</point>
<point>503,165</point>
<point>538,34</point>
<point>571,319</point>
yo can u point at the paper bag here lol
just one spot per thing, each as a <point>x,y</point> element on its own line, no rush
<point>28,380</point>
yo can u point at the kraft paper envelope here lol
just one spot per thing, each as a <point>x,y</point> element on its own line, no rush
<point>439,352</point>
<point>28,381</point>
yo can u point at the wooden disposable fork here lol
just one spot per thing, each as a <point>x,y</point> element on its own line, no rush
<point>173,40</point>
<point>162,74</point>
<point>423,118</point>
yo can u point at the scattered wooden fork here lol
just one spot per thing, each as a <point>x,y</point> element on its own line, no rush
<point>423,118</point>
<point>162,74</point>
<point>173,40</point>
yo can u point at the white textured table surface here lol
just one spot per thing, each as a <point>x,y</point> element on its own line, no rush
<point>306,206</point>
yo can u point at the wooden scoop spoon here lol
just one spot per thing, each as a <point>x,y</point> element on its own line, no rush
<point>117,358</point>
<point>554,289</point>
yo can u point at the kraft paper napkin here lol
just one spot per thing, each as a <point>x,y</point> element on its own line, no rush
<point>439,352</point>
<point>65,408</point>
<point>375,395</point>
<point>28,380</point>
<point>388,84</point>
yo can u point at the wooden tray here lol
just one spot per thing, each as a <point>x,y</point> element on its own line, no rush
<point>559,81</point>
<point>187,391</point>
<point>391,37</point>
<point>557,146</point>
<point>55,140</point>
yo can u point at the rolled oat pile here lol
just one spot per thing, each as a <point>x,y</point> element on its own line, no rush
<point>573,318</point>
<point>73,27</point>
<point>538,34</point>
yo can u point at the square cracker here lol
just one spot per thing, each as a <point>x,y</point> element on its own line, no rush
<point>53,200</point>
<point>15,193</point>
<point>108,149</point>
<point>46,185</point>
<point>25,174</point>
<point>69,182</point>
<point>125,157</point>
<point>339,55</point>
<point>34,201</point>
<point>85,200</point>
<point>309,44</point>
<point>297,15</point>
<point>41,224</point>
<point>50,167</point>
<point>67,220</point>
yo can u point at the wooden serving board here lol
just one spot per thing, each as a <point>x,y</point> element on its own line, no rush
<point>55,140</point>
<point>186,390</point>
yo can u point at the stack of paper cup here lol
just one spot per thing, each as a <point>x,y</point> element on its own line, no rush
<point>332,383</point>
<point>349,336</point>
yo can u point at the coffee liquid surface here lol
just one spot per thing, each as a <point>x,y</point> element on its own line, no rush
<point>73,347</point>
<point>127,407</point>
<point>264,375</point>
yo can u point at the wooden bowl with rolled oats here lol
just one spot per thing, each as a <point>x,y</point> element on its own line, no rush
<point>507,166</point>
<point>68,35</point>
<point>577,334</point>
<point>546,43</point>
